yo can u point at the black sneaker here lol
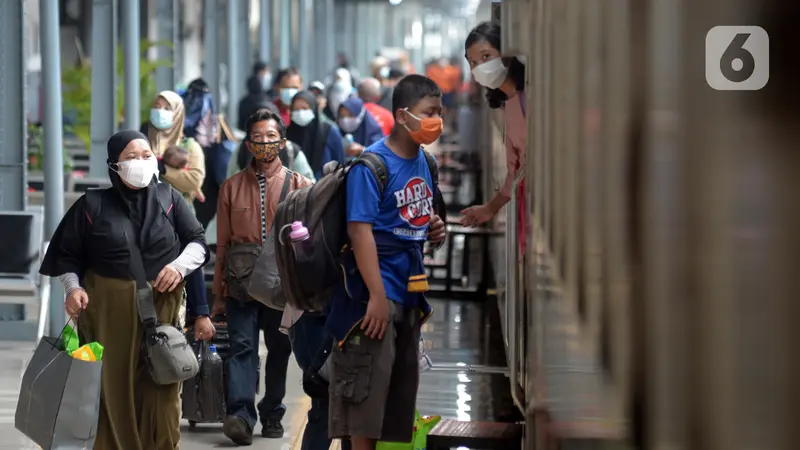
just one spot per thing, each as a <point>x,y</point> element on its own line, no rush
<point>272,429</point>
<point>237,430</point>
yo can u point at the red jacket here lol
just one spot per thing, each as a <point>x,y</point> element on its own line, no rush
<point>382,115</point>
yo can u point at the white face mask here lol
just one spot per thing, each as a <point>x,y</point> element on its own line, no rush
<point>287,94</point>
<point>349,124</point>
<point>302,117</point>
<point>138,172</point>
<point>266,81</point>
<point>491,74</point>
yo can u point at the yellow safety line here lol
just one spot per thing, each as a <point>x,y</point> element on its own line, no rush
<point>297,440</point>
<point>300,416</point>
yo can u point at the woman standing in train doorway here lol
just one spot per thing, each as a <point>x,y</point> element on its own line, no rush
<point>504,80</point>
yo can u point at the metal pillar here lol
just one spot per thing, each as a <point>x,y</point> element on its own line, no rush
<point>13,135</point>
<point>236,67</point>
<point>392,23</point>
<point>318,42</point>
<point>421,56</point>
<point>285,30</point>
<point>131,54</point>
<point>104,79</point>
<point>323,13</point>
<point>245,40</point>
<point>401,28</point>
<point>349,32</point>
<point>53,156</point>
<point>167,32</point>
<point>362,36</point>
<point>210,50</point>
<point>330,37</point>
<point>379,28</point>
<point>303,42</point>
<point>265,32</point>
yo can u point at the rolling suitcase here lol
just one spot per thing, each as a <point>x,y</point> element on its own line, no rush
<point>221,341</point>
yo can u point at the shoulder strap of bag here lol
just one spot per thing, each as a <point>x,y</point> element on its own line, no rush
<point>164,192</point>
<point>144,292</point>
<point>287,180</point>
<point>433,167</point>
<point>93,203</point>
<point>377,166</point>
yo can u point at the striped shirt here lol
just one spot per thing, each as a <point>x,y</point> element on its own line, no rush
<point>262,185</point>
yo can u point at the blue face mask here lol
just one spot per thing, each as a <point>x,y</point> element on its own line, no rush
<point>287,94</point>
<point>161,118</point>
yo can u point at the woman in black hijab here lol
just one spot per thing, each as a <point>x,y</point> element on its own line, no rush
<point>320,140</point>
<point>89,252</point>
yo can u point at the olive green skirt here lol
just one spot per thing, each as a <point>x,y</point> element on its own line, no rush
<point>135,412</point>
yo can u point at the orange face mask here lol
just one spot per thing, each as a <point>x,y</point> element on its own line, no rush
<point>430,128</point>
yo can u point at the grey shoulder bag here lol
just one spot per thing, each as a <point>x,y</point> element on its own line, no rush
<point>265,283</point>
<point>169,356</point>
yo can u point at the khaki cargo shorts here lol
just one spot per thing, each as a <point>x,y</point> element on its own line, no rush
<point>373,383</point>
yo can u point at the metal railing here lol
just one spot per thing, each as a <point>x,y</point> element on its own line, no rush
<point>44,300</point>
<point>512,327</point>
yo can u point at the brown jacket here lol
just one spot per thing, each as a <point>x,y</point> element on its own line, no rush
<point>239,211</point>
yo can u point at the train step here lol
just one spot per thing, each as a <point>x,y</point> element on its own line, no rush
<point>449,434</point>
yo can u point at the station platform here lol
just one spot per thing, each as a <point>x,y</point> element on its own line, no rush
<point>456,333</point>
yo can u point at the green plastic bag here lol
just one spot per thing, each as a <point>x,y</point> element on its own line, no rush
<point>70,339</point>
<point>419,441</point>
<point>72,343</point>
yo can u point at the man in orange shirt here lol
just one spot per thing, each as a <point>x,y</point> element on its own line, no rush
<point>447,76</point>
<point>369,90</point>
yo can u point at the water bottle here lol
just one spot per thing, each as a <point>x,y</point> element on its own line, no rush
<point>213,355</point>
<point>346,141</point>
<point>301,242</point>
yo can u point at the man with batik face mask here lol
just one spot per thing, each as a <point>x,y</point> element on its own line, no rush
<point>245,215</point>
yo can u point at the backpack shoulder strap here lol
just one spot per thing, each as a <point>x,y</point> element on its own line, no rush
<point>433,167</point>
<point>93,203</point>
<point>438,200</point>
<point>164,192</point>
<point>287,180</point>
<point>377,166</point>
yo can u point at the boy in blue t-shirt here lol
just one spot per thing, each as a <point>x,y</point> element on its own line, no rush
<point>375,374</point>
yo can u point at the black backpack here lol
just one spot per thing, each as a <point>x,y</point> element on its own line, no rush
<point>321,208</point>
